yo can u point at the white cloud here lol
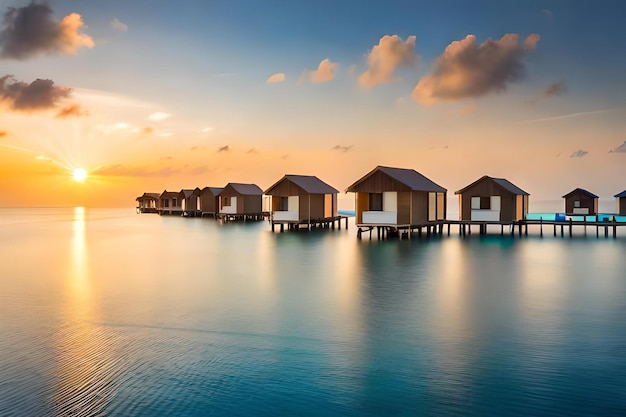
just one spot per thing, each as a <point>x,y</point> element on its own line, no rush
<point>117,25</point>
<point>384,58</point>
<point>158,116</point>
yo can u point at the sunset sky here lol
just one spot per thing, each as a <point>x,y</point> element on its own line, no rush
<point>154,95</point>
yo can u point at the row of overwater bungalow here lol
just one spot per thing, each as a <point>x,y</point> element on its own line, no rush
<point>394,198</point>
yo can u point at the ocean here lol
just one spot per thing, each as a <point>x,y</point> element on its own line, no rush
<point>107,312</point>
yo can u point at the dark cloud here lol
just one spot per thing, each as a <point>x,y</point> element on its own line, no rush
<point>578,154</point>
<point>620,149</point>
<point>38,95</point>
<point>200,170</point>
<point>469,69</point>
<point>31,30</point>
<point>119,170</point>
<point>555,89</point>
<point>252,150</point>
<point>342,148</point>
<point>224,148</point>
<point>73,110</point>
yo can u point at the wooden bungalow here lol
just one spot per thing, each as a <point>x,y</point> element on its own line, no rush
<point>210,200</point>
<point>621,203</point>
<point>169,203</point>
<point>244,201</point>
<point>298,199</point>
<point>147,203</point>
<point>397,198</point>
<point>492,200</point>
<point>581,201</point>
<point>190,201</point>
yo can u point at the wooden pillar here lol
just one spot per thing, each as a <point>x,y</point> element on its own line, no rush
<point>525,229</point>
<point>541,226</point>
<point>570,227</point>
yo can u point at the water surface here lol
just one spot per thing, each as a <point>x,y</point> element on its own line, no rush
<point>105,312</point>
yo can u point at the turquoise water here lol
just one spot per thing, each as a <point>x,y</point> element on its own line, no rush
<point>105,312</point>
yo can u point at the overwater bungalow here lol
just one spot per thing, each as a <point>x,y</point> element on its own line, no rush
<point>241,201</point>
<point>169,203</point>
<point>621,203</point>
<point>190,201</point>
<point>492,200</point>
<point>579,201</point>
<point>210,201</point>
<point>147,203</point>
<point>397,198</point>
<point>302,199</point>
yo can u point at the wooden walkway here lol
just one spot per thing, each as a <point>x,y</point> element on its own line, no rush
<point>562,228</point>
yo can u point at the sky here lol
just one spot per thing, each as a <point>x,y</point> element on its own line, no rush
<point>154,95</point>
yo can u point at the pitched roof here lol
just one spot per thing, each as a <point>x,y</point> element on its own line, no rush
<point>188,193</point>
<point>504,183</point>
<point>214,190</point>
<point>620,195</point>
<point>166,194</point>
<point>409,177</point>
<point>590,194</point>
<point>308,183</point>
<point>149,196</point>
<point>245,189</point>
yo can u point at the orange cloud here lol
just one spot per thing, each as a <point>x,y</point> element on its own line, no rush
<point>468,69</point>
<point>390,53</point>
<point>276,78</point>
<point>554,89</point>
<point>71,110</point>
<point>31,30</point>
<point>325,72</point>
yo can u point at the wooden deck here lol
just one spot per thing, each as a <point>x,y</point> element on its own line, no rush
<point>325,223</point>
<point>521,228</point>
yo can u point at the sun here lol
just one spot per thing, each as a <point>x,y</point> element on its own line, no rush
<point>79,174</point>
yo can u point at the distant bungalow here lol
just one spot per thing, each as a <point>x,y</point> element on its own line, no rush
<point>621,203</point>
<point>241,201</point>
<point>302,199</point>
<point>581,201</point>
<point>169,203</point>
<point>492,200</point>
<point>209,200</point>
<point>147,203</point>
<point>398,198</point>
<point>190,201</point>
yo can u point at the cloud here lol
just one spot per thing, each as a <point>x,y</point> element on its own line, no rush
<point>146,130</point>
<point>569,116</point>
<point>620,149</point>
<point>31,30</point>
<point>3,133</point>
<point>207,130</point>
<point>555,89</point>
<point>342,148</point>
<point>252,150</point>
<point>73,110</point>
<point>158,116</point>
<point>323,73</point>
<point>224,148</point>
<point>119,170</point>
<point>468,69</point>
<point>117,25</point>
<point>38,95</point>
<point>200,170</point>
<point>390,53</point>
<point>578,154</point>
<point>276,78</point>
<point>548,12</point>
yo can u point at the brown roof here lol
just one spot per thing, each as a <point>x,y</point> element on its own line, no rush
<point>308,183</point>
<point>245,189</point>
<point>409,177</point>
<point>506,184</point>
<point>145,196</point>
<point>167,194</point>
<point>214,190</point>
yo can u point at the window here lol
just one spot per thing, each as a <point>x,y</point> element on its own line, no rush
<point>166,203</point>
<point>174,202</point>
<point>225,201</point>
<point>284,204</point>
<point>576,203</point>
<point>475,203</point>
<point>485,203</point>
<point>376,202</point>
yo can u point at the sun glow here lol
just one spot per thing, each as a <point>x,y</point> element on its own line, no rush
<point>79,174</point>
